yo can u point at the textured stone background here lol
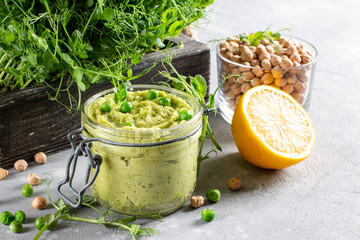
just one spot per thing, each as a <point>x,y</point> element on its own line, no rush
<point>316,199</point>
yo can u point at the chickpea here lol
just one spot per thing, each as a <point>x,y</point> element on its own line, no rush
<point>21,165</point>
<point>234,91</point>
<point>296,69</point>
<point>306,58</point>
<point>244,69</point>
<point>235,70</point>
<point>260,49</point>
<point>237,99</point>
<point>196,201</point>
<point>256,81</point>
<point>275,60</point>
<point>286,62</point>
<point>226,87</point>
<point>233,48</point>
<point>257,71</point>
<point>239,80</point>
<point>299,86</point>
<point>252,49</point>
<point>298,96</point>
<point>245,86</point>
<point>267,78</point>
<point>254,62</point>
<point>33,179</point>
<point>264,41</point>
<point>302,77</point>
<point>274,85</point>
<point>266,64</point>
<point>231,80</point>
<point>226,67</point>
<point>3,173</point>
<point>276,72</point>
<point>264,55</point>
<point>247,54</point>
<point>228,55</point>
<point>289,88</point>
<point>40,158</point>
<point>282,52</point>
<point>288,43</point>
<point>270,49</point>
<point>291,50</point>
<point>291,78</point>
<point>295,57</point>
<point>280,82</point>
<point>224,44</point>
<point>39,203</point>
<point>248,75</point>
<point>235,58</point>
<point>234,184</point>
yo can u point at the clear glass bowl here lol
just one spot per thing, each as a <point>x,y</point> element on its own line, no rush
<point>297,81</point>
<point>139,179</point>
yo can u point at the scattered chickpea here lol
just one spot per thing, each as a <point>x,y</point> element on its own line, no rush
<point>196,201</point>
<point>21,165</point>
<point>234,184</point>
<point>39,203</point>
<point>3,173</point>
<point>33,179</point>
<point>40,158</point>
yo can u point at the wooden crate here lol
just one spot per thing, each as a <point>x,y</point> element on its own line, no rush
<point>30,122</point>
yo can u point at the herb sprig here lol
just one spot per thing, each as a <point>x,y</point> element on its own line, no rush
<point>106,217</point>
<point>255,38</point>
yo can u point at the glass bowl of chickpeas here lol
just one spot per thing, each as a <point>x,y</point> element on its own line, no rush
<point>286,63</point>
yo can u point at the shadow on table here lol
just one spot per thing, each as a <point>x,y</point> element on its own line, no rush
<point>217,172</point>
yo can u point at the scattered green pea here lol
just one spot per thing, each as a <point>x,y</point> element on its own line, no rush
<point>20,216</point>
<point>126,107</point>
<point>185,115</point>
<point>27,190</point>
<point>6,218</point>
<point>129,124</point>
<point>152,94</point>
<point>39,222</point>
<point>164,101</point>
<point>106,106</point>
<point>16,227</point>
<point>207,215</point>
<point>213,195</point>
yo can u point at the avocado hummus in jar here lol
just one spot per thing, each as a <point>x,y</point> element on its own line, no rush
<point>155,171</point>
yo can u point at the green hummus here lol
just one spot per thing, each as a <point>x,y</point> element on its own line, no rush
<point>146,114</point>
<point>144,180</point>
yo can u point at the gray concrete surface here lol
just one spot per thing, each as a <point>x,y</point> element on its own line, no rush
<point>316,199</point>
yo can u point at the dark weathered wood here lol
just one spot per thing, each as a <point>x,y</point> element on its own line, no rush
<point>30,122</point>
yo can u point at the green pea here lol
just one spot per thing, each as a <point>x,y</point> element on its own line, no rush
<point>185,115</point>
<point>16,227</point>
<point>213,195</point>
<point>27,190</point>
<point>152,94</point>
<point>106,106</point>
<point>207,215</point>
<point>129,124</point>
<point>6,217</point>
<point>39,222</point>
<point>164,101</point>
<point>126,107</point>
<point>20,216</point>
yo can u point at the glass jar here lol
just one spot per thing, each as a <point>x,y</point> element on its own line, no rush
<point>297,81</point>
<point>156,172</point>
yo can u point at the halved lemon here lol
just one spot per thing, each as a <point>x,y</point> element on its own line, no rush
<point>271,129</point>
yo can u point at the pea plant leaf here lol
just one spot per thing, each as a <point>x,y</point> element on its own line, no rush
<point>78,77</point>
<point>199,84</point>
<point>127,220</point>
